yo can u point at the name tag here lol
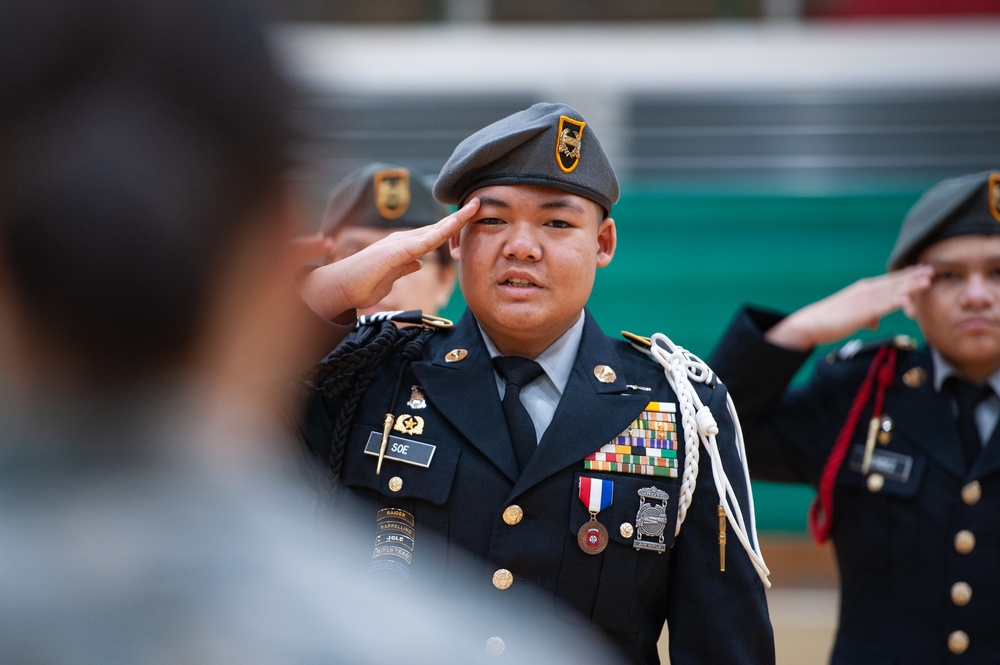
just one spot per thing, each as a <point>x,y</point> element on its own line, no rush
<point>402,450</point>
<point>893,466</point>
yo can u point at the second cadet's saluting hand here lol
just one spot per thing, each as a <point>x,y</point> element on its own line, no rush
<point>859,305</point>
<point>364,278</point>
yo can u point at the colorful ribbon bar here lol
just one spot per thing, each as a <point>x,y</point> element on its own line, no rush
<point>633,459</point>
<point>670,444</point>
<point>637,450</point>
<point>663,407</point>
<point>646,470</point>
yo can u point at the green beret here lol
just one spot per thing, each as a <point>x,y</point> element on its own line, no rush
<point>548,145</point>
<point>385,196</point>
<point>966,205</point>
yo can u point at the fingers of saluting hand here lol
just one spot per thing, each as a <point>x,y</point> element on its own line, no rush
<point>364,278</point>
<point>414,243</point>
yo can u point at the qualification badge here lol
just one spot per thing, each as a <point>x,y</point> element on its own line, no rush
<point>596,494</point>
<point>651,520</point>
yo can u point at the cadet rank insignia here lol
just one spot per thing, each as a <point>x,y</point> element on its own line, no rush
<point>407,424</point>
<point>648,446</point>
<point>392,192</point>
<point>568,143</point>
<point>651,520</point>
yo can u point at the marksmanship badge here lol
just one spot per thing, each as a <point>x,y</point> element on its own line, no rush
<point>651,520</point>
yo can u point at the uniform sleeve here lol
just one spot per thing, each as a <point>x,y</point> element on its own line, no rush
<point>787,432</point>
<point>716,616</point>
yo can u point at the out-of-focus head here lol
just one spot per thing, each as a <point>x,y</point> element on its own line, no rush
<point>955,228</point>
<point>143,142</point>
<point>375,201</point>
<point>966,205</point>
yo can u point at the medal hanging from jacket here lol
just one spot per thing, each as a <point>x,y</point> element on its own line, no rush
<point>596,495</point>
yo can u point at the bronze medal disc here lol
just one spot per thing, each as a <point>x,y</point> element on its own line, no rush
<point>592,537</point>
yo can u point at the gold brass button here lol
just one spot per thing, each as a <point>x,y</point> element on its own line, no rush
<point>502,579</point>
<point>965,541</point>
<point>495,646</point>
<point>626,530</point>
<point>395,484</point>
<point>972,492</point>
<point>958,642</point>
<point>961,593</point>
<point>512,514</point>
<point>875,482</point>
<point>914,378</point>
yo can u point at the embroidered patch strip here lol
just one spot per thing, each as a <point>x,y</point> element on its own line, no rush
<point>646,470</point>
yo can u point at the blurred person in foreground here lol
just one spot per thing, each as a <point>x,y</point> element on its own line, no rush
<point>375,201</point>
<point>577,482</point>
<point>899,440</point>
<point>151,508</point>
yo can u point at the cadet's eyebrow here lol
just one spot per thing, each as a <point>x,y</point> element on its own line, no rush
<point>490,201</point>
<point>563,203</point>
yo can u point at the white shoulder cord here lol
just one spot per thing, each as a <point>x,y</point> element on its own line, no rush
<point>681,367</point>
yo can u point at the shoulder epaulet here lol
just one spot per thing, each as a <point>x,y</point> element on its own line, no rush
<point>636,339</point>
<point>856,347</point>
<point>404,316</point>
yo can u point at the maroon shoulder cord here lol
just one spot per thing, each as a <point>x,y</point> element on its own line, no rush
<point>880,375</point>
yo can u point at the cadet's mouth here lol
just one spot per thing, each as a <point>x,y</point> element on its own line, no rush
<point>517,281</point>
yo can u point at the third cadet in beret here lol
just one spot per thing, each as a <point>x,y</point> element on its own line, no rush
<point>565,461</point>
<point>900,441</point>
<point>379,199</point>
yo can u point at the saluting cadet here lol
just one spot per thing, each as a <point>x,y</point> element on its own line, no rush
<point>379,199</point>
<point>605,474</point>
<point>907,466</point>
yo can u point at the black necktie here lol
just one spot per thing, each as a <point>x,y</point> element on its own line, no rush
<point>967,397</point>
<point>518,372</point>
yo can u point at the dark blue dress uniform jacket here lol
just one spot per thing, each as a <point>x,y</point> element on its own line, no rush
<point>919,556</point>
<point>714,617</point>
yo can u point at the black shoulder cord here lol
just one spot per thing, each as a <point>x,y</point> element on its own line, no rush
<point>350,369</point>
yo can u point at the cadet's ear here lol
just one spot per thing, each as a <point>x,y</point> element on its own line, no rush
<point>607,241</point>
<point>454,243</point>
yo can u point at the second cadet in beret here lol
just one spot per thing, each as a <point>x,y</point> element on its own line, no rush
<point>375,201</point>
<point>903,436</point>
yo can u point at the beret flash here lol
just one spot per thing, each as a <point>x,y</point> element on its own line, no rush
<point>548,145</point>
<point>385,196</point>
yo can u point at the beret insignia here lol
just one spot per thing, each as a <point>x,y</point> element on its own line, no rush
<point>994,194</point>
<point>392,192</point>
<point>568,143</point>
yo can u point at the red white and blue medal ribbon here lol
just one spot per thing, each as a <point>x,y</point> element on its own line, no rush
<point>596,495</point>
